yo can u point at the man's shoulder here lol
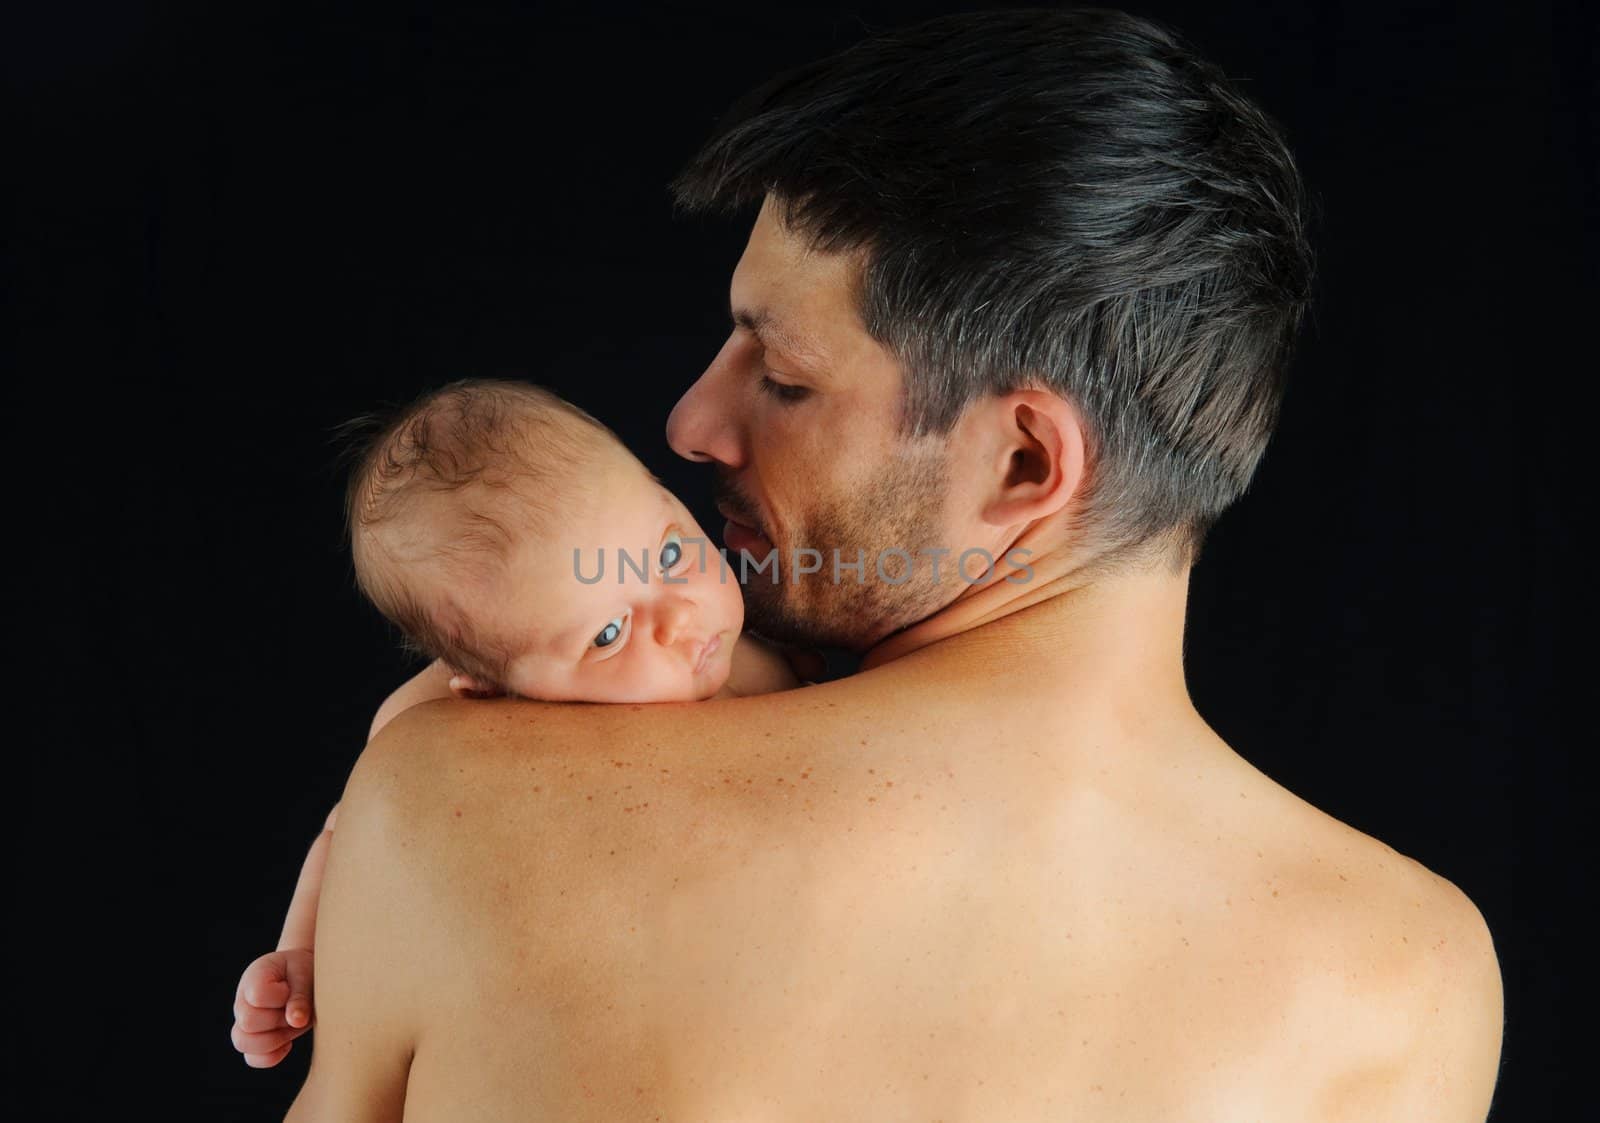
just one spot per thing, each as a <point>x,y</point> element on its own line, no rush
<point>1377,975</point>
<point>403,756</point>
<point>1397,973</point>
<point>417,772</point>
<point>1391,924</point>
<point>433,740</point>
<point>440,744</point>
<point>1452,1004</point>
<point>519,772</point>
<point>1360,900</point>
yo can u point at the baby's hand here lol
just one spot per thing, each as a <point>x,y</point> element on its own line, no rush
<point>273,1006</point>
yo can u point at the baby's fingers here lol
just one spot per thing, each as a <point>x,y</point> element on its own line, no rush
<point>255,1044</point>
<point>267,1060</point>
<point>253,1019</point>
<point>266,991</point>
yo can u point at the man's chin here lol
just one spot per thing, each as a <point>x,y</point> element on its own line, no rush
<point>767,610</point>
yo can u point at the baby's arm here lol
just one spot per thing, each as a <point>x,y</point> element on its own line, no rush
<point>433,681</point>
<point>301,924</point>
<point>274,1002</point>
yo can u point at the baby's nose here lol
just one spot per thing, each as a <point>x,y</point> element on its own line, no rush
<point>673,617</point>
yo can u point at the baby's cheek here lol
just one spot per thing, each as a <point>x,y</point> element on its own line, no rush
<point>529,685</point>
<point>722,594</point>
<point>639,675</point>
<point>716,681</point>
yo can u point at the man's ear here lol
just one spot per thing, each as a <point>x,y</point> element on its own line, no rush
<point>1036,443</point>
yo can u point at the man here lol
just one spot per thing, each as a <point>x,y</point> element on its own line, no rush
<point>1021,287</point>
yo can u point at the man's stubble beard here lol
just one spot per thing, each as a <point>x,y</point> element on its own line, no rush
<point>904,510</point>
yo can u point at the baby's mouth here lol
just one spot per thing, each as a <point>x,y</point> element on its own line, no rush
<point>707,650</point>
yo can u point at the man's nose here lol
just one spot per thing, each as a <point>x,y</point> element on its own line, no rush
<point>673,615</point>
<point>704,425</point>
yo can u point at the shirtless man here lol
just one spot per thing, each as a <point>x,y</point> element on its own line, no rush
<point>1039,305</point>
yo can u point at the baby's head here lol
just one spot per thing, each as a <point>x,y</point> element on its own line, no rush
<point>472,513</point>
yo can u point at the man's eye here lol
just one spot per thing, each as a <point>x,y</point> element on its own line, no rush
<point>671,552</point>
<point>609,634</point>
<point>783,391</point>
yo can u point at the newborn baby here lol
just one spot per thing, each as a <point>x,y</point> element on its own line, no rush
<point>517,542</point>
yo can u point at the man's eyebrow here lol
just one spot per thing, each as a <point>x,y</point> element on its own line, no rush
<point>767,327</point>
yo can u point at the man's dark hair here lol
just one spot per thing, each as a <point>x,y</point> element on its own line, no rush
<point>1070,198</point>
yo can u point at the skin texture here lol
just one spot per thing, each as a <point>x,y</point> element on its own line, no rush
<point>1004,872</point>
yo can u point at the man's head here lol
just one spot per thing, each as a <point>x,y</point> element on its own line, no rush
<point>479,518</point>
<point>1008,267</point>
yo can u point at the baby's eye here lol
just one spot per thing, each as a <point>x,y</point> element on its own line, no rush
<point>609,634</point>
<point>672,552</point>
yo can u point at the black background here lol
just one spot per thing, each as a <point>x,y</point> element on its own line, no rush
<point>233,226</point>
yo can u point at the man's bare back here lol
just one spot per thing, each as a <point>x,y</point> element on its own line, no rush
<point>937,890</point>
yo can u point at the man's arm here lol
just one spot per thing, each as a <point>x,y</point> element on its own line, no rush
<point>370,958</point>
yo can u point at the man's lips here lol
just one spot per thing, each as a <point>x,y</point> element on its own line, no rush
<point>733,516</point>
<point>742,539</point>
<point>740,535</point>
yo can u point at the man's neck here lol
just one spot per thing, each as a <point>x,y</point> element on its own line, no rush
<point>1123,629</point>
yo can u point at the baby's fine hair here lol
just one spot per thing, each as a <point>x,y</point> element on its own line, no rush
<point>494,460</point>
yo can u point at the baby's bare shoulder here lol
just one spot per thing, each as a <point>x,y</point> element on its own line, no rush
<point>758,667</point>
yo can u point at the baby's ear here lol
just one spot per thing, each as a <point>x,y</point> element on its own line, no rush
<point>465,686</point>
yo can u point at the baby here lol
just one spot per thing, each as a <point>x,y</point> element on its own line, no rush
<point>517,542</point>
